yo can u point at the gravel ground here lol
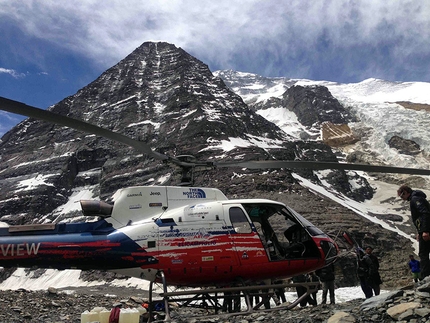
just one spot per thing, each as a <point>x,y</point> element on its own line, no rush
<point>55,306</point>
<point>61,306</point>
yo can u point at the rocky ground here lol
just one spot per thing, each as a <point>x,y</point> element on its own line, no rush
<point>55,306</point>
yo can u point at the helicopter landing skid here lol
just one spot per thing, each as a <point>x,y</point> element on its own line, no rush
<point>208,299</point>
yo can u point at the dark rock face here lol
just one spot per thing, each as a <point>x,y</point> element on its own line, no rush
<point>315,105</point>
<point>404,146</point>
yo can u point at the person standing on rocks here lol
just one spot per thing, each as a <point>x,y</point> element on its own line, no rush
<point>326,276</point>
<point>301,290</point>
<point>371,266</point>
<point>420,212</point>
<point>362,274</point>
<point>414,266</point>
<point>312,277</point>
<point>280,291</point>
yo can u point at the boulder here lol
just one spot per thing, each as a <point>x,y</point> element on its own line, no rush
<point>404,309</point>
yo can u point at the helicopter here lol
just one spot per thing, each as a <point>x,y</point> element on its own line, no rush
<point>194,236</point>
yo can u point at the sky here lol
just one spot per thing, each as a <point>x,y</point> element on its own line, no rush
<point>51,49</point>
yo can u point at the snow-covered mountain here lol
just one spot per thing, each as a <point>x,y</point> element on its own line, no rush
<point>383,109</point>
<point>162,95</point>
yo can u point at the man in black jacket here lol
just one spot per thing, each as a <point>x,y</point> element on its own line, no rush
<point>326,276</point>
<point>420,212</point>
<point>371,265</point>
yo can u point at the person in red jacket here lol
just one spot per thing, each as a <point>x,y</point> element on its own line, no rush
<point>420,212</point>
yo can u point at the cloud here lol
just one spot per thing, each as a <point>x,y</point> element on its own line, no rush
<point>7,121</point>
<point>13,73</point>
<point>269,37</point>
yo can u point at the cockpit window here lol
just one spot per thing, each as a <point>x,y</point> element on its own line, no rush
<point>313,230</point>
<point>285,234</point>
<point>257,211</point>
<point>239,220</point>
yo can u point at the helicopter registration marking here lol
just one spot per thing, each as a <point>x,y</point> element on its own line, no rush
<point>208,258</point>
<point>20,249</point>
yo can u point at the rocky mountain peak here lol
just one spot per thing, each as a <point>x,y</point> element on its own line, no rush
<point>315,105</point>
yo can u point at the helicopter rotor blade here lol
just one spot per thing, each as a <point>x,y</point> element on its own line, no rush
<point>317,165</point>
<point>45,115</point>
<point>37,113</point>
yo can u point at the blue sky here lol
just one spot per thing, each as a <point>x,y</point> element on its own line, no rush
<point>51,49</point>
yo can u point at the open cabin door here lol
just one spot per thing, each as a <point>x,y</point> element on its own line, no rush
<point>282,234</point>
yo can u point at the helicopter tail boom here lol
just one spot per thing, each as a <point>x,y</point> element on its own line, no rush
<point>92,245</point>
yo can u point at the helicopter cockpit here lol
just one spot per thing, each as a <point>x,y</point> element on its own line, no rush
<point>284,233</point>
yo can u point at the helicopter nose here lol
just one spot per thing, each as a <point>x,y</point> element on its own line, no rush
<point>330,250</point>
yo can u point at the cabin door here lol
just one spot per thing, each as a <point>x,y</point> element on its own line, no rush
<point>241,235</point>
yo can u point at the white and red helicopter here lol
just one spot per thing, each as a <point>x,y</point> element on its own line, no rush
<point>193,236</point>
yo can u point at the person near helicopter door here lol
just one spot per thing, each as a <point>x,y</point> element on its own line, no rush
<point>326,275</point>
